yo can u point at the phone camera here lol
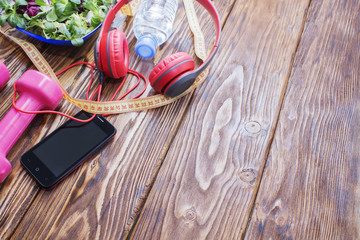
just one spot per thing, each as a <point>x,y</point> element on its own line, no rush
<point>37,169</point>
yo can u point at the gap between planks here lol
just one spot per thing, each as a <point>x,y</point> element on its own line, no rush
<point>278,115</point>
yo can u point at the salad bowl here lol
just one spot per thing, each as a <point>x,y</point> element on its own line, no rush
<point>60,22</point>
<point>55,41</point>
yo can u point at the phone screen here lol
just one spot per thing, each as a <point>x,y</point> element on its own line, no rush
<point>67,147</point>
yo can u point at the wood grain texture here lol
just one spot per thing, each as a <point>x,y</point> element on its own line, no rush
<point>103,197</point>
<point>311,186</point>
<point>209,179</point>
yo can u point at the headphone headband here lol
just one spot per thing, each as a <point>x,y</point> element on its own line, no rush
<point>205,3</point>
<point>110,16</point>
<point>215,16</point>
<point>185,80</point>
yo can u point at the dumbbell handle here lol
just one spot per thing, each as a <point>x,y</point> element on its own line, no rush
<point>14,122</point>
<point>4,75</point>
<point>12,126</point>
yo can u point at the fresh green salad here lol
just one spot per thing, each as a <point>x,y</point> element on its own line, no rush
<point>55,19</point>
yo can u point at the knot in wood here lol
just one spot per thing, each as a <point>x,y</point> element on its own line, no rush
<point>248,176</point>
<point>93,164</point>
<point>190,215</point>
<point>253,127</point>
<point>280,221</point>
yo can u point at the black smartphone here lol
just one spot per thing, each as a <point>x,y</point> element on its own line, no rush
<point>61,152</point>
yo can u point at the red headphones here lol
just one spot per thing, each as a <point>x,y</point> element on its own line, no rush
<point>171,76</point>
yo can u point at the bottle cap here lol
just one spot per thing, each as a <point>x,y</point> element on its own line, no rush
<point>146,46</point>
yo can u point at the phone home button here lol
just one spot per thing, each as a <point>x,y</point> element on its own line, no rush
<point>37,169</point>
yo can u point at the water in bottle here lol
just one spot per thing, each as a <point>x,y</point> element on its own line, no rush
<point>153,25</point>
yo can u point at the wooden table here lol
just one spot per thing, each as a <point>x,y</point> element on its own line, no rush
<point>267,147</point>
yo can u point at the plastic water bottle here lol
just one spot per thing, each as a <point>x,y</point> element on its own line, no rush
<point>153,24</point>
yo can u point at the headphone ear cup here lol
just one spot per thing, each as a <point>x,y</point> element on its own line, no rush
<point>168,70</point>
<point>114,55</point>
<point>118,54</point>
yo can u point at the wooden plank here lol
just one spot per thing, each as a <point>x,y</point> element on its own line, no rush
<point>311,187</point>
<point>211,173</point>
<point>103,197</point>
